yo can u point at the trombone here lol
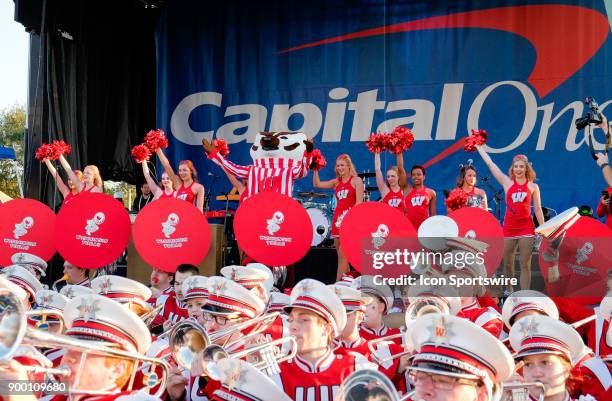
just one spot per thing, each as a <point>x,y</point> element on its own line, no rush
<point>187,339</point>
<point>14,332</point>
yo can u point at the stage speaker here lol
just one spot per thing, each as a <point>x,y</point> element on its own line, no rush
<point>140,270</point>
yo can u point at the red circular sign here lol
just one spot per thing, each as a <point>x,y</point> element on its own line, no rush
<point>27,226</point>
<point>169,232</point>
<point>481,225</point>
<point>92,230</point>
<point>373,228</point>
<point>579,264</point>
<point>273,229</point>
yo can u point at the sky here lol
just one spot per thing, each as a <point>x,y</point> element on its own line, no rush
<point>14,45</point>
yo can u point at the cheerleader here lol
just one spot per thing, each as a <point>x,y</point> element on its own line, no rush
<point>390,190</point>
<point>519,229</point>
<point>92,181</point>
<point>68,191</point>
<point>167,188</point>
<point>348,192</point>
<point>420,201</point>
<point>467,183</point>
<point>186,182</point>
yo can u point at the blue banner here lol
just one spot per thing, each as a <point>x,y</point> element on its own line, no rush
<point>340,70</point>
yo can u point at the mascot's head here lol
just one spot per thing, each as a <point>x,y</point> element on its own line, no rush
<point>286,145</point>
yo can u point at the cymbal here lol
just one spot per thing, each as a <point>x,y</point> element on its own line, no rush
<point>311,194</point>
<point>366,174</point>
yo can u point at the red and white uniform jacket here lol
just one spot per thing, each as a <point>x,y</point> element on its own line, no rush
<point>273,174</point>
<point>172,310</point>
<point>597,379</point>
<point>319,381</point>
<point>485,317</point>
<point>153,301</point>
<point>368,333</point>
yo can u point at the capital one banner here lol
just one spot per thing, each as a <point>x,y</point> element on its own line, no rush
<point>340,70</point>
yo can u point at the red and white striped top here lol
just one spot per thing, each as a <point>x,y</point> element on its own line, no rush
<point>272,174</point>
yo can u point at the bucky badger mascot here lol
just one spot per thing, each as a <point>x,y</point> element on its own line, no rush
<point>279,158</point>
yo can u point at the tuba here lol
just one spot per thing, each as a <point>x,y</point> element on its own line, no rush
<point>14,332</point>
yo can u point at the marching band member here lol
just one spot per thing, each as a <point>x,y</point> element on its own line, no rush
<point>456,360</point>
<point>277,303</point>
<point>391,191</point>
<point>96,376</point>
<point>316,317</point>
<point>195,294</point>
<point>175,308</point>
<point>161,285</point>
<point>91,182</point>
<point>420,201</point>
<point>186,182</point>
<point>547,348</point>
<point>167,186</point>
<point>467,183</point>
<point>126,291</point>
<point>23,278</point>
<point>527,302</point>
<point>68,191</point>
<point>240,381</point>
<point>349,191</point>
<point>33,263</point>
<point>378,304</point>
<point>519,229</point>
<point>354,305</point>
<point>74,275</point>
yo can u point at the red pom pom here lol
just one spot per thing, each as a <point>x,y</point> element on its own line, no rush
<point>456,199</point>
<point>221,146</point>
<point>377,142</point>
<point>400,140</point>
<point>141,153</point>
<point>477,138</point>
<point>156,140</point>
<point>61,148</point>
<point>318,160</point>
<point>45,151</point>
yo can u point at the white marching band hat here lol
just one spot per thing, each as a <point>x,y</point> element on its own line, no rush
<point>366,285</point>
<point>269,283</point>
<point>315,296</point>
<point>95,317</point>
<point>50,300</point>
<point>434,231</point>
<point>226,297</point>
<point>249,276</point>
<point>121,289</point>
<point>277,302</point>
<point>240,381</point>
<point>538,334</point>
<point>525,300</point>
<point>23,278</point>
<point>32,261</point>
<point>351,298</point>
<point>14,288</point>
<point>454,346</point>
<point>195,287</point>
<point>74,290</point>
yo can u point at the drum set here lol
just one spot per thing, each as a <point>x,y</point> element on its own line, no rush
<point>320,207</point>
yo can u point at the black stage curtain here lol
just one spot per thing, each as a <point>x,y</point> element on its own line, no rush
<point>92,84</point>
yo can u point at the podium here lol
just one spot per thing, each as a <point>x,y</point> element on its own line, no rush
<point>139,270</point>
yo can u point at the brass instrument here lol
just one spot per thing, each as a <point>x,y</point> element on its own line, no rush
<point>149,316</point>
<point>520,391</point>
<point>14,332</point>
<point>54,285</point>
<point>367,384</point>
<point>45,317</point>
<point>188,339</point>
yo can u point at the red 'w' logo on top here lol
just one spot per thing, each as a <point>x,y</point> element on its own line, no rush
<point>519,197</point>
<point>342,194</point>
<point>417,200</point>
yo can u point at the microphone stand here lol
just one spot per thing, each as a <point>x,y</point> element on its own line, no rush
<point>497,196</point>
<point>209,193</point>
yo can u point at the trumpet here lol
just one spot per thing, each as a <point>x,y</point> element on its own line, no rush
<point>44,318</point>
<point>520,391</point>
<point>187,339</point>
<point>14,332</point>
<point>149,316</point>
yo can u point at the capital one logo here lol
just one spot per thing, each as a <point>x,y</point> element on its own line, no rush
<point>519,197</point>
<point>22,228</point>
<point>380,236</point>
<point>274,223</point>
<point>417,200</point>
<point>93,224</point>
<point>169,226</point>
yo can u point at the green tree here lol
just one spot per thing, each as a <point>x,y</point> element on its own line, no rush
<point>12,129</point>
